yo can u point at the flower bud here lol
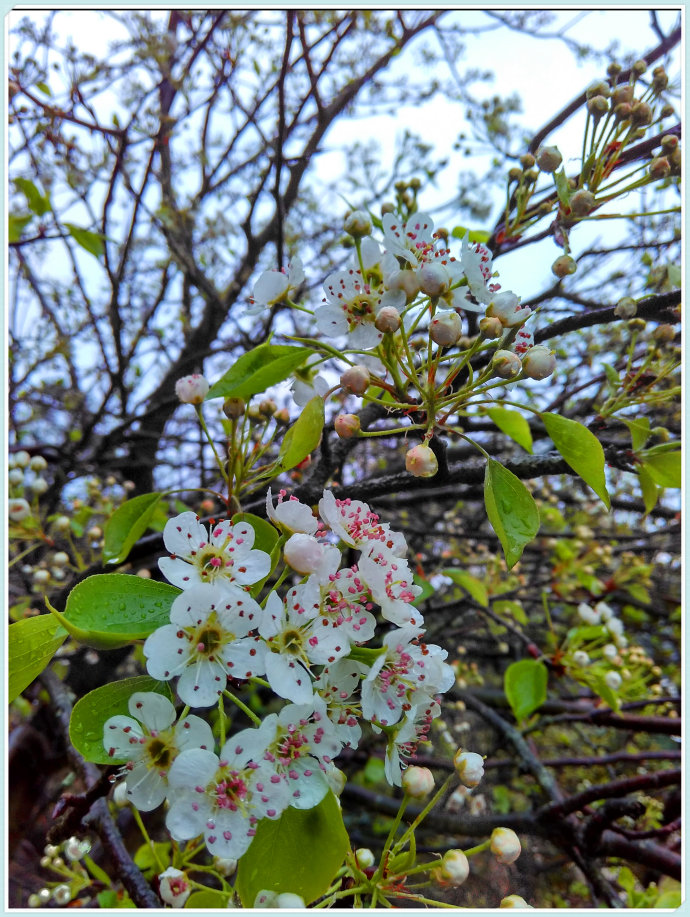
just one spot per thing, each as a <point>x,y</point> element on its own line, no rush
<point>62,895</point>
<point>417,782</point>
<point>641,113</point>
<point>357,224</point>
<point>660,433</point>
<point>347,425</point>
<point>597,107</point>
<point>527,161</point>
<point>538,363</point>
<point>290,900</point>
<point>38,463</point>
<point>15,476</point>
<point>445,329</point>
<point>613,680</point>
<point>267,407</point>
<point>388,320</point>
<point>41,577</point>
<point>469,767</point>
<point>659,79</point>
<point>454,868</point>
<point>120,797</point>
<point>639,67</point>
<point>407,281</point>
<point>61,558</point>
<point>668,143</point>
<point>613,69</point>
<point>76,849</point>
<point>506,364</point>
<point>421,461</point>
<point>282,417</point>
<point>622,94</point>
<point>548,158</point>
<point>637,324</point>
<point>490,328</point>
<point>95,532</point>
<point>664,334</point>
<point>505,845</point>
<point>192,389</point>
<point>514,901</point>
<point>625,307</point>
<point>623,111</point>
<point>530,176</point>
<point>387,207</point>
<point>365,858</point>
<point>225,866</point>
<point>582,203</point>
<point>174,887</point>
<point>266,899</point>
<point>506,308</point>
<point>581,658</point>
<point>22,459</point>
<point>515,174</point>
<point>39,486</point>
<point>233,408</point>
<point>356,379</point>
<point>18,509</point>
<point>659,167</point>
<point>563,265</point>
<point>433,279</point>
<point>598,88</point>
<point>303,553</point>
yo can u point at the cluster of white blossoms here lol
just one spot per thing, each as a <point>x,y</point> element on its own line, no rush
<point>308,645</point>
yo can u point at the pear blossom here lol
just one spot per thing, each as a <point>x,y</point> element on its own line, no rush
<point>390,581</point>
<point>149,744</point>
<point>411,240</point>
<point>477,267</point>
<point>341,599</point>
<point>453,869</point>
<point>223,555</point>
<point>351,307</point>
<point>355,524</point>
<point>192,389</point>
<point>273,287</point>
<point>174,887</point>
<point>403,741</point>
<point>291,514</point>
<point>303,391</point>
<point>207,642</point>
<point>470,767</point>
<point>306,554</point>
<point>337,684</point>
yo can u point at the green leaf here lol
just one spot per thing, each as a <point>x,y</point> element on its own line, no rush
<point>611,375</point>
<point>524,684</point>
<point>32,643</point>
<point>512,609</point>
<point>609,697</point>
<point>664,468</point>
<point>581,450</point>
<point>15,225</point>
<point>303,436</point>
<point>149,856</point>
<point>38,203</point>
<point>513,425</point>
<point>258,369</point>
<point>426,587</point>
<point>267,539</point>
<point>126,526</point>
<point>209,898</point>
<point>650,491</point>
<point>478,235</point>
<point>44,88</point>
<point>300,853</point>
<point>92,242</point>
<point>113,609</point>
<point>469,583</point>
<point>511,509</point>
<point>562,187</point>
<point>675,278</point>
<point>639,431</point>
<point>91,712</point>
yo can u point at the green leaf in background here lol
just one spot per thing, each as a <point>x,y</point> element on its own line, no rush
<point>113,609</point>
<point>126,526</point>
<point>511,509</point>
<point>91,712</point>
<point>303,436</point>
<point>473,586</point>
<point>426,587</point>
<point>609,697</point>
<point>38,203</point>
<point>562,187</point>
<point>524,684</point>
<point>258,370</point>
<point>210,898</point>
<point>513,425</point>
<point>639,431</point>
<point>92,242</point>
<point>477,235</point>
<point>664,468</point>
<point>32,643</point>
<point>611,375</point>
<point>300,853</point>
<point>16,224</point>
<point>512,609</point>
<point>581,450</point>
<point>650,491</point>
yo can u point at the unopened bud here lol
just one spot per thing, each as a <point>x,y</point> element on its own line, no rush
<point>598,88</point>
<point>582,203</point>
<point>421,461</point>
<point>563,265</point>
<point>192,389</point>
<point>225,866</point>
<point>387,207</point>
<point>365,858</point>
<point>469,767</point>
<point>668,143</point>
<point>95,532</point>
<point>38,463</point>
<point>667,111</point>
<point>659,167</point>
<point>233,408</point>
<point>664,334</point>
<point>597,107</point>
<point>580,658</point>
<point>622,94</point>
<point>453,869</point>
<point>515,174</point>
<point>637,324</point>
<point>538,363</point>
<point>18,509</point>
<point>445,329</point>
<point>639,67</point>
<point>506,364</point>
<point>625,307</point>
<point>303,553</point>
<point>417,782</point>
<point>290,900</point>
<point>347,425</point>
<point>282,417</point>
<point>514,901</point>
<point>433,279</point>
<point>41,577</point>
<point>530,176</point>
<point>407,281</point>
<point>490,328</point>
<point>527,161</point>
<point>613,69</point>
<point>15,476</point>
<point>356,379</point>
<point>613,680</point>
<point>267,407</point>
<point>505,845</point>
<point>623,111</point>
<point>549,158</point>
<point>358,224</point>
<point>660,433</point>
<point>61,558</point>
<point>22,459</point>
<point>388,320</point>
<point>641,113</point>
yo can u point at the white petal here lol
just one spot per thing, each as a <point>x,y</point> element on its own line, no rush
<point>288,678</point>
<point>193,732</point>
<point>179,572</point>
<point>183,821</point>
<point>154,710</point>
<point>191,768</point>
<point>146,789</point>
<point>121,736</point>
<point>162,649</point>
<point>183,534</point>
<point>202,683</point>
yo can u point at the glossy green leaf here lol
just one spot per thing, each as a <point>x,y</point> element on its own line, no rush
<point>562,187</point>
<point>16,223</point>
<point>38,203</point>
<point>303,436</point>
<point>113,609</point>
<point>513,425</point>
<point>650,491</point>
<point>126,526</point>
<point>32,643</point>
<point>300,853</point>
<point>639,431</point>
<point>524,684</point>
<point>581,450</point>
<point>92,242</point>
<point>209,899</point>
<point>91,712</point>
<point>258,369</point>
<point>469,583</point>
<point>511,509</point>
<point>664,468</point>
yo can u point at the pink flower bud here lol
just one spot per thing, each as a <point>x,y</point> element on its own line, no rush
<point>417,782</point>
<point>356,379</point>
<point>433,279</point>
<point>421,461</point>
<point>174,887</point>
<point>469,767</point>
<point>388,320</point>
<point>505,845</point>
<point>445,329</point>
<point>506,364</point>
<point>538,363</point>
<point>303,553</point>
<point>192,389</point>
<point>455,868</point>
<point>18,509</point>
<point>347,425</point>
